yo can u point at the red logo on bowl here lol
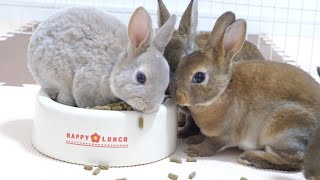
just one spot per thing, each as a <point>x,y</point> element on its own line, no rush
<point>95,137</point>
<point>96,140</point>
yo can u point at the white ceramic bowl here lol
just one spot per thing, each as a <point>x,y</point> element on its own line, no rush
<point>87,136</point>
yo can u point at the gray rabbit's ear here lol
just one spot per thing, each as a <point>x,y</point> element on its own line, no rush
<point>163,13</point>
<point>189,20</point>
<point>164,34</point>
<point>318,69</point>
<point>219,28</point>
<point>139,30</point>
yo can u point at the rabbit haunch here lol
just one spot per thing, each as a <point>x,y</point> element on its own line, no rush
<point>85,57</point>
<point>268,109</point>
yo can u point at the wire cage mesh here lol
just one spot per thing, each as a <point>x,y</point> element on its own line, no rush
<point>285,30</point>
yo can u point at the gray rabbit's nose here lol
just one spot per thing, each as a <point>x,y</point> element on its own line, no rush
<point>182,98</point>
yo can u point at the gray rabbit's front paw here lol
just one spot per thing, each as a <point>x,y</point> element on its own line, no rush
<point>66,99</point>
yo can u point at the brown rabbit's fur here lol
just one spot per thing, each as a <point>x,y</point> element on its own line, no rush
<point>266,108</point>
<point>184,41</point>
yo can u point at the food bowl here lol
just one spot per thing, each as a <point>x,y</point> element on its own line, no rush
<point>92,137</point>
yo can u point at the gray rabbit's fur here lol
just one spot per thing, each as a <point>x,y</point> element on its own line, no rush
<point>82,56</point>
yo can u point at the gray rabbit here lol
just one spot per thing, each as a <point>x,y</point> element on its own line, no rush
<point>84,57</point>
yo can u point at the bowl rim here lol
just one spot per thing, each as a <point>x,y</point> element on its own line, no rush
<point>44,99</point>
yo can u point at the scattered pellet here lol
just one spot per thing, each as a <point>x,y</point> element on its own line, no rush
<point>88,167</point>
<point>141,122</point>
<point>103,166</point>
<point>243,178</point>
<point>172,176</point>
<point>176,160</point>
<point>121,179</point>
<point>191,159</point>
<point>192,175</point>
<point>125,106</point>
<point>96,171</point>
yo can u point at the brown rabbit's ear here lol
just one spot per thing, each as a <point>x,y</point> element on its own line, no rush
<point>222,23</point>
<point>139,30</point>
<point>234,38</point>
<point>163,13</point>
<point>189,20</point>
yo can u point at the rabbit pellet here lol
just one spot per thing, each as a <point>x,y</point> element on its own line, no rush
<point>87,167</point>
<point>96,171</point>
<point>243,178</point>
<point>172,176</point>
<point>176,160</point>
<point>120,106</point>
<point>122,179</point>
<point>141,120</point>
<point>103,166</point>
<point>191,159</point>
<point>192,175</point>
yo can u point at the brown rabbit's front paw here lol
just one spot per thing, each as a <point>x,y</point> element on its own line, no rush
<point>190,129</point>
<point>243,160</point>
<point>185,133</point>
<point>181,123</point>
<point>196,139</point>
<point>265,160</point>
<point>256,158</point>
<point>198,150</point>
<point>192,151</point>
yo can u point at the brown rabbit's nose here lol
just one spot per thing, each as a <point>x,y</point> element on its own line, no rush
<point>181,98</point>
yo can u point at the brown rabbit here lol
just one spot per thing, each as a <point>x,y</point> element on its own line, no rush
<point>184,41</point>
<point>265,108</point>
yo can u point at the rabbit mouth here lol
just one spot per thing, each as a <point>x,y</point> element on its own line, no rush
<point>140,104</point>
<point>184,104</point>
<point>182,98</point>
<point>146,110</point>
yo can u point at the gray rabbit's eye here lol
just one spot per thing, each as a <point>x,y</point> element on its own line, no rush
<point>141,78</point>
<point>198,77</point>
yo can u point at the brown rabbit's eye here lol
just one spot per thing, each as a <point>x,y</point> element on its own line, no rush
<point>199,77</point>
<point>141,78</point>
